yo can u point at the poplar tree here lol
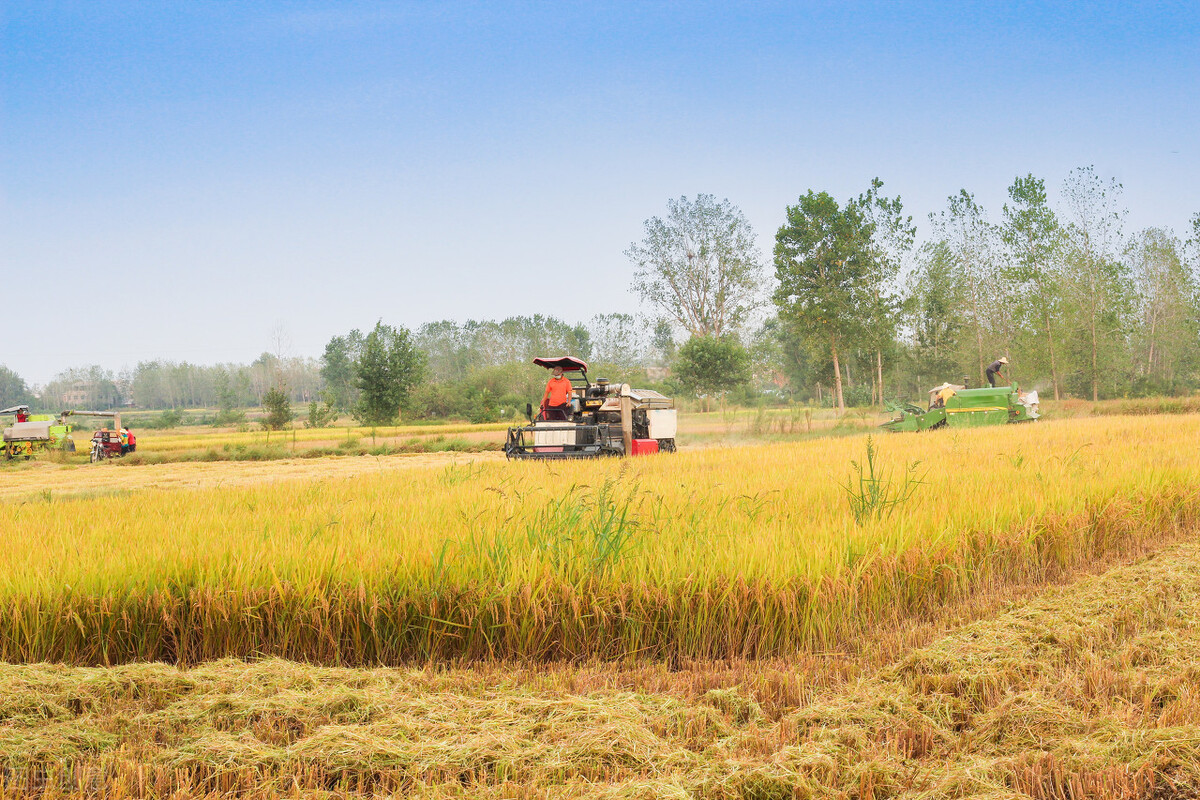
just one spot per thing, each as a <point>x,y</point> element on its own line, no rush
<point>823,265</point>
<point>1033,237</point>
<point>1095,280</point>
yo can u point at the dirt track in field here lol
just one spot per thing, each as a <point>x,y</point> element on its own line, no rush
<point>34,480</point>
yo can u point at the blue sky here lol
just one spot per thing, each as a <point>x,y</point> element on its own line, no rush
<point>210,172</point>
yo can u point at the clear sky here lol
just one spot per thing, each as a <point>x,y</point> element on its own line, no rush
<point>179,180</point>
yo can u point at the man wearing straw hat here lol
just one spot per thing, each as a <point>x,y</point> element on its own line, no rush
<point>993,370</point>
<point>941,394</point>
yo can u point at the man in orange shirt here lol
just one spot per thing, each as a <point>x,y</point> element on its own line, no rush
<point>556,401</point>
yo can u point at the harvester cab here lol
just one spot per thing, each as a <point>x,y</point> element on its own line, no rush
<point>604,420</point>
<point>33,433</point>
<point>952,406</point>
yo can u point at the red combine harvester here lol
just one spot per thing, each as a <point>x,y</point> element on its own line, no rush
<point>603,420</point>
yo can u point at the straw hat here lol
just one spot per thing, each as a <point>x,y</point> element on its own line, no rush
<point>1003,359</point>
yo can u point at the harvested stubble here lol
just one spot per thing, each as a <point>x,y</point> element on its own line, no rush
<point>1086,692</point>
<point>720,553</point>
<point>181,439</point>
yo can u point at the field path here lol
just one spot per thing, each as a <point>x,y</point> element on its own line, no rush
<point>1087,691</point>
<point>67,481</point>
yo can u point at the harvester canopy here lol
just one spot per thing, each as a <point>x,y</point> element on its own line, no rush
<point>568,363</point>
<point>15,410</point>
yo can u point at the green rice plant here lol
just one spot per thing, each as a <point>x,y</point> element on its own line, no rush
<point>874,494</point>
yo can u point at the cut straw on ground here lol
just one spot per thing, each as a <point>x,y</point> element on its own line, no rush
<point>1088,691</point>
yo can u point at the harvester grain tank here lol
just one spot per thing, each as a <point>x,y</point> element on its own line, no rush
<point>967,408</point>
<point>605,420</point>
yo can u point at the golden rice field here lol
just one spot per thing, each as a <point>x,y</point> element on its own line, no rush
<point>1088,691</point>
<point>713,553</point>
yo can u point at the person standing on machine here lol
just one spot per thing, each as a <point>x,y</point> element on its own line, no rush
<point>993,370</point>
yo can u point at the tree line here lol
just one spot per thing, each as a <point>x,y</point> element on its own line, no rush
<point>856,304</point>
<point>861,305</point>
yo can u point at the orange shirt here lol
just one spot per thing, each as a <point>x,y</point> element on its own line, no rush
<point>558,392</point>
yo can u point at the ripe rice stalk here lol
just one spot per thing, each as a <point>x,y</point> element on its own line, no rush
<point>723,553</point>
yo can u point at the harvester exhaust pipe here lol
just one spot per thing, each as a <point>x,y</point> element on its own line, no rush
<point>626,419</point>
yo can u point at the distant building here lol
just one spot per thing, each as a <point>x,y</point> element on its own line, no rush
<point>90,394</point>
<point>76,394</point>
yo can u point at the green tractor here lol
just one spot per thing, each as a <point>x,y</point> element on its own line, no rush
<point>952,406</point>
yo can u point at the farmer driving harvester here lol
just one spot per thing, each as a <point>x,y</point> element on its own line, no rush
<point>940,394</point>
<point>556,400</point>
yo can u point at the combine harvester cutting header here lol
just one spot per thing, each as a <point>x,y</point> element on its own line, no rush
<point>953,406</point>
<point>600,420</point>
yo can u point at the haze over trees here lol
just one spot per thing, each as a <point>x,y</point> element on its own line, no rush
<point>867,306</point>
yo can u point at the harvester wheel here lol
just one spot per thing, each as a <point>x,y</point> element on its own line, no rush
<point>666,445</point>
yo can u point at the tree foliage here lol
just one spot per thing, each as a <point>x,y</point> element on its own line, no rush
<point>823,266</point>
<point>712,366</point>
<point>700,266</point>
<point>278,407</point>
<point>13,390</point>
<point>1033,271</point>
<point>1095,280</point>
<point>338,370</point>
<point>388,368</point>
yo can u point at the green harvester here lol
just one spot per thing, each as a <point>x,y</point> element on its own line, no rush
<point>34,433</point>
<point>967,408</point>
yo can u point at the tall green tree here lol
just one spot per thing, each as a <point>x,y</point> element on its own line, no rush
<point>1167,334</point>
<point>1095,280</point>
<point>971,245</point>
<point>823,264</point>
<point>932,308</point>
<point>700,266</point>
<point>892,234</point>
<point>388,368</point>
<point>1034,239</point>
<point>338,369</point>
<point>712,366</point>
